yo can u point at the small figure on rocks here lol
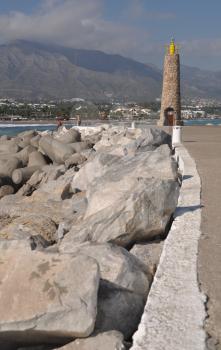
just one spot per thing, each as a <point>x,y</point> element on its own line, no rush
<point>78,120</point>
<point>59,123</point>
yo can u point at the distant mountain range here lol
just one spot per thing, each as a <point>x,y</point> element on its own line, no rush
<point>32,70</point>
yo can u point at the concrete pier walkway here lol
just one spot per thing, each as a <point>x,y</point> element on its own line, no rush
<point>204,145</point>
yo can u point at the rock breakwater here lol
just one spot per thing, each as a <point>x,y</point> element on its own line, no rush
<point>82,218</point>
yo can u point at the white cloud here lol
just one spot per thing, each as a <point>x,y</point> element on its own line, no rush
<point>202,46</point>
<point>81,24</point>
<point>74,23</point>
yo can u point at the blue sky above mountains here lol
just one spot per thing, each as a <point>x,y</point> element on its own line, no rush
<point>134,28</point>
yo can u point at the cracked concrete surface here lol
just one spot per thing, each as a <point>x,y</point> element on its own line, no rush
<point>175,312</point>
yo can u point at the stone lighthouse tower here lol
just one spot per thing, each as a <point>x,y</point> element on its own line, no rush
<point>171,99</point>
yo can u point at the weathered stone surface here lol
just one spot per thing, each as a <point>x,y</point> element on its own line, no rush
<point>118,309</point>
<point>125,212</point>
<point>124,193</point>
<point>76,204</point>
<point>117,266</point>
<point>42,196</point>
<point>156,164</point>
<point>113,137</point>
<point>41,176</point>
<point>123,290</point>
<point>14,245</point>
<point>35,141</point>
<point>24,138</point>
<point>92,170</point>
<point>37,242</point>
<point>73,210</point>
<point>53,172</point>
<point>122,141</point>
<point>35,162</point>
<point>89,153</point>
<point>93,138</point>
<point>149,140</point>
<point>32,184</point>
<point>27,134</point>
<point>22,175</point>
<point>75,159</point>
<point>9,146</point>
<point>171,87</point>
<point>57,151</point>
<point>23,155</point>
<point>56,300</point>
<point>112,340</point>
<point>153,137</point>
<point>71,136</point>
<point>5,190</point>
<point>81,146</point>
<point>36,159</point>
<point>148,253</point>
<point>16,205</point>
<point>119,176</point>
<point>57,189</point>
<point>120,193</point>
<point>29,225</point>
<point>8,165</point>
<point>5,220</point>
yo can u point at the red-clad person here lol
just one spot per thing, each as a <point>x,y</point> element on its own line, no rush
<point>59,123</point>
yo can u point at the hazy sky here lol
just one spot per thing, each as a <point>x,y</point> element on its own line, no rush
<point>134,28</point>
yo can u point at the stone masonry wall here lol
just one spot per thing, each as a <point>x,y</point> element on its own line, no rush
<point>171,86</point>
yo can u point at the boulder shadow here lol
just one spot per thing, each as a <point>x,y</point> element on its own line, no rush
<point>186,177</point>
<point>189,141</point>
<point>183,210</point>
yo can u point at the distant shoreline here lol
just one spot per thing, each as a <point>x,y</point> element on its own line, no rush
<point>92,122</point>
<point>32,121</point>
<point>52,122</point>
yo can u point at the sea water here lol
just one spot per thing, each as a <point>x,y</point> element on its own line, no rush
<point>207,122</point>
<point>14,129</point>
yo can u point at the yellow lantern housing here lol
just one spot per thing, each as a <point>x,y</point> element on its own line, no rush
<point>172,47</point>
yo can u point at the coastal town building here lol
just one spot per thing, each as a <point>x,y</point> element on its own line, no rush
<point>130,112</point>
<point>193,114</point>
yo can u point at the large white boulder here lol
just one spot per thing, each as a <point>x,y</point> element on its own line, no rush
<point>125,141</point>
<point>138,211</point>
<point>93,169</point>
<point>57,151</point>
<point>69,136</point>
<point>117,265</point>
<point>46,298</point>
